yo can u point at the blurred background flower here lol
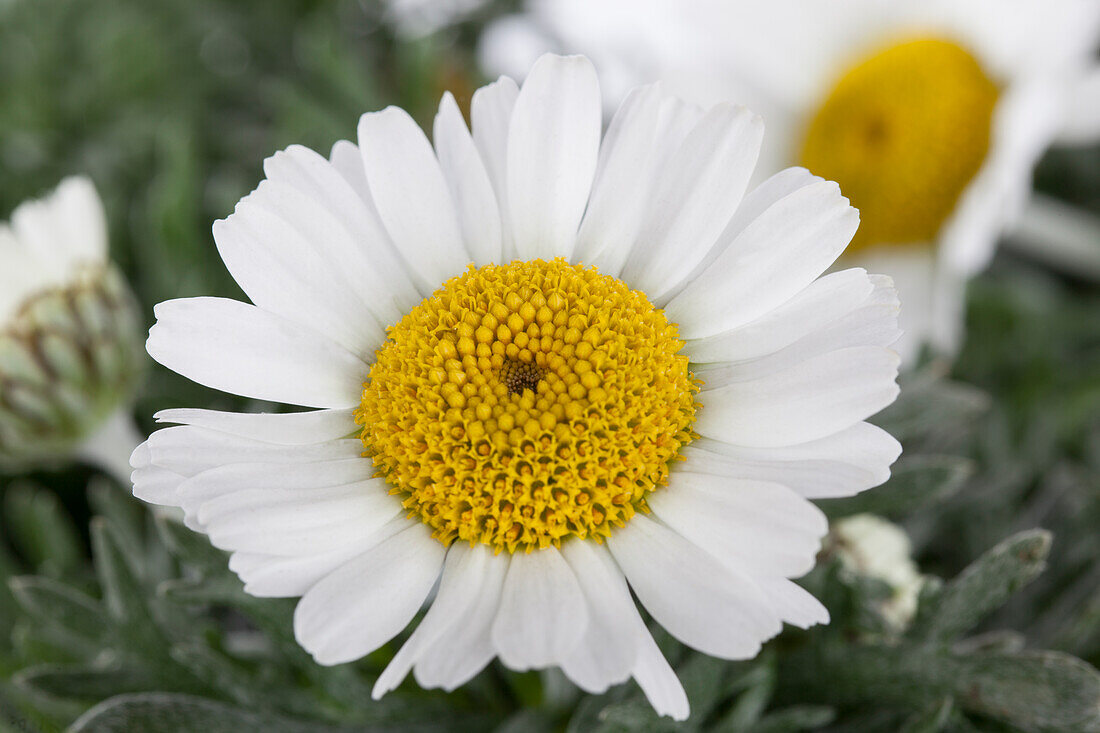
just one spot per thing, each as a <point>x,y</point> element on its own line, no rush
<point>71,354</point>
<point>930,115</point>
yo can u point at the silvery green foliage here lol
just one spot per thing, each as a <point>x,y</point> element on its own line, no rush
<point>69,357</point>
<point>162,638</point>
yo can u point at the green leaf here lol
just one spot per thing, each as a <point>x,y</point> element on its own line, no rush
<point>47,599</point>
<point>795,718</point>
<point>758,685</point>
<point>121,511</point>
<point>982,587</point>
<point>930,720</point>
<point>932,410</point>
<point>192,548</point>
<point>84,683</point>
<point>174,713</point>
<point>1037,690</point>
<point>41,530</point>
<point>915,482</point>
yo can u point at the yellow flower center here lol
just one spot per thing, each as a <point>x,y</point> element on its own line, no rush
<point>525,403</point>
<point>903,133</point>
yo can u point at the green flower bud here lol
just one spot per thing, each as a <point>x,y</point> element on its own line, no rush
<point>71,354</point>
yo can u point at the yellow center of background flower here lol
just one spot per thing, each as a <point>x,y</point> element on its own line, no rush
<point>522,404</point>
<point>903,133</point>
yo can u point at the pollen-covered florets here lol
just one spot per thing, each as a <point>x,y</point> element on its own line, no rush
<point>525,403</point>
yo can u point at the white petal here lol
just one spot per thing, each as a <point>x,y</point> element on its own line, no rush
<point>920,283</point>
<point>64,229</point>
<point>609,648</point>
<point>820,396</point>
<point>490,117</point>
<point>793,603</point>
<point>819,303</point>
<point>454,658</point>
<point>283,273</point>
<point>701,601</point>
<point>752,526</point>
<point>348,162</point>
<point>697,195</point>
<point>81,220</point>
<point>659,682</point>
<point>411,195</point>
<point>232,478</point>
<point>624,178</point>
<point>872,323</point>
<point>553,146</point>
<point>156,485</point>
<point>468,181</point>
<point>188,450</point>
<point>292,522</point>
<point>238,348</point>
<point>465,574</point>
<point>775,256</point>
<point>348,227</point>
<point>365,602</point>
<point>278,576</point>
<point>289,428</point>
<point>841,464</point>
<point>542,614</point>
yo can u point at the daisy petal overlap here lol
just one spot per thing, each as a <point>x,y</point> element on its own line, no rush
<point>510,414</point>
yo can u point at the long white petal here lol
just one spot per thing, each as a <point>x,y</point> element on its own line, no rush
<point>775,256</point>
<point>753,526</point>
<point>841,464</point>
<point>287,428</point>
<point>454,658</point>
<point>609,648</point>
<point>490,118</point>
<point>553,146</point>
<point>238,348</point>
<point>695,199</point>
<point>701,601</point>
<point>820,396</point>
<point>542,614</point>
<point>411,194</point>
<point>365,602</point>
<point>624,179</point>
<point>472,192</point>
<point>465,573</point>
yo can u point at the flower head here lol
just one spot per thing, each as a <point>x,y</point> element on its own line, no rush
<point>552,369</point>
<point>929,114</point>
<point>70,352</point>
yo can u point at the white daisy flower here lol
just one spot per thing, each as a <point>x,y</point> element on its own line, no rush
<point>929,113</point>
<point>551,369</point>
<point>70,346</point>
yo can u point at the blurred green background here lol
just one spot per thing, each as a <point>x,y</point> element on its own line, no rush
<point>172,105</point>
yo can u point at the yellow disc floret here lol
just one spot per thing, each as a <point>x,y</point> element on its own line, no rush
<point>903,133</point>
<point>522,404</point>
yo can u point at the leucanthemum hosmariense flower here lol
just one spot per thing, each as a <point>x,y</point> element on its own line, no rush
<point>70,343</point>
<point>550,370</point>
<point>930,114</point>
